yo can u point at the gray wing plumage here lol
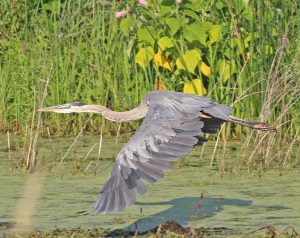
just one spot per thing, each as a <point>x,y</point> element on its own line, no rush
<point>168,131</point>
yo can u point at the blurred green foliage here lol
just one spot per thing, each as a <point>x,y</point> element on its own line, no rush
<point>230,48</point>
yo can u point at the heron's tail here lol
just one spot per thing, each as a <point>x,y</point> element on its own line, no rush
<point>254,125</point>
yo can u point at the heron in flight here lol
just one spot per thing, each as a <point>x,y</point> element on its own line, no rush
<point>172,126</point>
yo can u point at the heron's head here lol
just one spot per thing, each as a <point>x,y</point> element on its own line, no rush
<point>71,107</point>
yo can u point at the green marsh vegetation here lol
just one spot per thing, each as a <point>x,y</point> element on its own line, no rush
<point>240,53</point>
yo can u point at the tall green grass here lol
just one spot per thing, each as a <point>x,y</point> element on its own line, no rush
<point>83,42</point>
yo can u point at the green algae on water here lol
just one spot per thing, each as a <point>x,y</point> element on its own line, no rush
<point>193,194</point>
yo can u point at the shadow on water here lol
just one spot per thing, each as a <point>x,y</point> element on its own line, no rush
<point>185,210</point>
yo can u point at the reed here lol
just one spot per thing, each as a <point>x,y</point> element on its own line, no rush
<point>94,63</point>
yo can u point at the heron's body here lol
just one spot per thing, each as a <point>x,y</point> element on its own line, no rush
<point>172,126</point>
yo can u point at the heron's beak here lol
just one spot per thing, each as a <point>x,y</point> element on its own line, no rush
<point>57,109</point>
<point>66,108</point>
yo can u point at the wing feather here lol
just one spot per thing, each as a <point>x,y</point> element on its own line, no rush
<point>169,131</point>
<point>140,187</point>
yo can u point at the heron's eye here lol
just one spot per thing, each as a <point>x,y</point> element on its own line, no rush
<point>76,104</point>
<point>63,106</point>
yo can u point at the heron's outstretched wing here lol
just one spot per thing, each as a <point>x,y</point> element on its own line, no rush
<point>168,131</point>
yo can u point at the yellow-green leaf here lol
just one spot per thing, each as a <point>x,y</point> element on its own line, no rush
<point>204,68</point>
<point>215,33</point>
<point>147,34</point>
<point>192,14</point>
<point>164,10</point>
<point>165,43</point>
<point>196,32</point>
<point>174,25</point>
<point>189,60</point>
<point>247,40</point>
<point>126,24</point>
<point>219,4</point>
<point>239,45</point>
<point>161,60</point>
<point>268,49</point>
<point>227,69</point>
<point>144,56</point>
<point>195,87</point>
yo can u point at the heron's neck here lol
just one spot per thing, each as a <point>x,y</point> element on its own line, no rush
<point>134,114</point>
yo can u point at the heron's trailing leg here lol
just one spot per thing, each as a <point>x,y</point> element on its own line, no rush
<point>254,125</point>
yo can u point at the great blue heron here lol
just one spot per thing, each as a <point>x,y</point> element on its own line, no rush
<point>172,126</point>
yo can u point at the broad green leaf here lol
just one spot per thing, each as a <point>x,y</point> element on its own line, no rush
<point>164,10</point>
<point>126,24</point>
<point>197,32</point>
<point>227,69</point>
<point>206,25</point>
<point>228,52</point>
<point>144,56</point>
<point>194,4</point>
<point>174,25</point>
<point>165,43</point>
<point>189,60</point>
<point>147,34</point>
<point>219,4</point>
<point>232,43</point>
<point>195,87</point>
<point>215,33</point>
<point>192,14</point>
<point>161,60</point>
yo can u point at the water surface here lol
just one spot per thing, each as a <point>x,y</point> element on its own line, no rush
<point>192,193</point>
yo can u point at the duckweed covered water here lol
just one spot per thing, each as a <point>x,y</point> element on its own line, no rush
<point>192,194</point>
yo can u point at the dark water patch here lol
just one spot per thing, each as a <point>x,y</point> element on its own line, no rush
<point>259,193</point>
<point>282,218</point>
<point>277,207</point>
